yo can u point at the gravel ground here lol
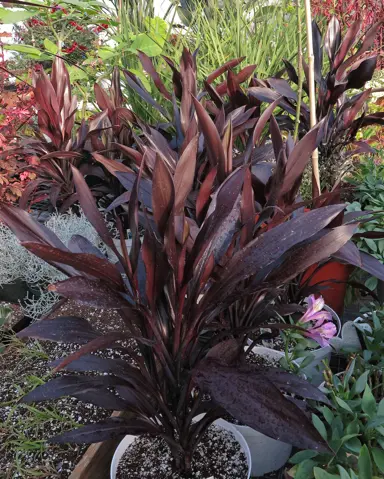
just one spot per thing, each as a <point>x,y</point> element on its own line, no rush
<point>24,429</point>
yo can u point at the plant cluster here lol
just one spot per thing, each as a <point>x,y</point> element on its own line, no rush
<point>206,191</point>
<point>348,12</point>
<point>368,195</point>
<point>353,427</point>
<point>215,256</point>
<point>337,113</point>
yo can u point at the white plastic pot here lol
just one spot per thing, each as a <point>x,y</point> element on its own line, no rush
<point>128,440</point>
<point>267,454</point>
<point>314,371</point>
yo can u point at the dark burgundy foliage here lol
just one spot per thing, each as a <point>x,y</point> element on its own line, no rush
<point>341,116</point>
<point>216,242</point>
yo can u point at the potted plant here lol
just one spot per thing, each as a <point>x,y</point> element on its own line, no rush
<point>169,291</point>
<point>212,250</point>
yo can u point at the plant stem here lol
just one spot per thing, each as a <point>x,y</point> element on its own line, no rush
<point>299,71</point>
<point>312,97</point>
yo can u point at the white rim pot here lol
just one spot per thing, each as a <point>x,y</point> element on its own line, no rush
<point>128,440</point>
<point>314,370</point>
<point>267,454</point>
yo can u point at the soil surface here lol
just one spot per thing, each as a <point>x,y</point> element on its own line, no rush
<point>24,429</point>
<point>218,456</point>
<point>262,361</point>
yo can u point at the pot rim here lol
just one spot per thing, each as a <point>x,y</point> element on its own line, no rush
<point>129,438</point>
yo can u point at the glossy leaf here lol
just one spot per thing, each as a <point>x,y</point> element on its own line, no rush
<point>212,139</point>
<point>332,38</point>
<point>112,428</point>
<point>62,329</point>
<point>86,263</point>
<point>246,396</point>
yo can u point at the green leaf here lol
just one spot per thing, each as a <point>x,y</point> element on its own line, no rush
<point>360,384</point>
<point>105,53</point>
<point>321,474</point>
<point>353,427</point>
<point>302,456</point>
<point>365,463</point>
<point>8,16</point>
<point>343,404</point>
<point>380,408</point>
<point>328,414</point>
<point>375,421</point>
<point>319,426</point>
<point>348,437</point>
<point>76,73</point>
<point>378,457</point>
<point>147,45</point>
<point>307,361</point>
<point>50,46</point>
<point>369,402</point>
<point>157,29</point>
<point>371,244</point>
<point>31,51</point>
<point>354,445</point>
<point>343,473</point>
<point>305,469</point>
<point>371,283</point>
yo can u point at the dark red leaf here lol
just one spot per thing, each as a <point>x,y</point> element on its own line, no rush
<point>90,209</point>
<point>150,69</point>
<point>299,158</point>
<point>224,68</point>
<point>163,195</point>
<point>69,386</point>
<point>358,77</point>
<point>205,193</point>
<point>67,329</point>
<point>212,140</point>
<point>253,400</point>
<point>112,165</point>
<point>94,293</point>
<point>86,263</point>
<point>301,258</point>
<point>332,38</point>
<point>274,243</point>
<point>184,175</point>
<point>350,39</point>
<point>112,428</point>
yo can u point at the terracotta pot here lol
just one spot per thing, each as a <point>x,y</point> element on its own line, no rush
<point>128,440</point>
<point>326,275</point>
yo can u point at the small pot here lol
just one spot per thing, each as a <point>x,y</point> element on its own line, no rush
<point>128,440</point>
<point>267,454</point>
<point>314,371</point>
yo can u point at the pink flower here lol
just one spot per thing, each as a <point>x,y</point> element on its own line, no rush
<point>322,332</point>
<point>318,323</point>
<point>314,311</point>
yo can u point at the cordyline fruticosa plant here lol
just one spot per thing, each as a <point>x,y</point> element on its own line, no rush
<point>117,133</point>
<point>230,132</point>
<point>339,113</point>
<point>173,286</point>
<point>59,143</point>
